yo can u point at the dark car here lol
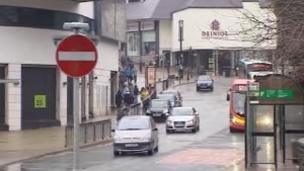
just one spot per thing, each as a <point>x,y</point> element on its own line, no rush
<point>159,108</point>
<point>171,97</point>
<point>177,94</point>
<point>204,82</point>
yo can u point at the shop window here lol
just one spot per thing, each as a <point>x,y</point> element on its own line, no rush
<point>149,43</point>
<point>133,45</point>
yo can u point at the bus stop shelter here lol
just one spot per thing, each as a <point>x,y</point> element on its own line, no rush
<point>274,119</point>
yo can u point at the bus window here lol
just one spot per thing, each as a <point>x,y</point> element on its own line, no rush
<point>239,103</point>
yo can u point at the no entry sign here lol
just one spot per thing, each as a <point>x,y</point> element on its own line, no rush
<point>76,56</point>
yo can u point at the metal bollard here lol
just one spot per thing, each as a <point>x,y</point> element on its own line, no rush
<point>94,132</point>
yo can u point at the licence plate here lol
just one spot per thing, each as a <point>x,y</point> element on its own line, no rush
<point>179,125</point>
<point>131,145</point>
<point>156,114</point>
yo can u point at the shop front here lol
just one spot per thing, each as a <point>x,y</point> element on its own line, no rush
<point>214,40</point>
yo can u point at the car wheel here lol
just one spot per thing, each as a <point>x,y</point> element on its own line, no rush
<point>197,89</point>
<point>156,149</point>
<point>168,131</point>
<point>194,130</point>
<point>116,153</point>
<point>211,88</point>
<point>232,130</point>
<point>198,128</point>
<point>151,152</point>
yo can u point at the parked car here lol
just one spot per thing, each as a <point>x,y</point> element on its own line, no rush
<point>177,94</point>
<point>204,82</point>
<point>135,134</point>
<point>171,97</point>
<point>159,108</point>
<point>183,119</point>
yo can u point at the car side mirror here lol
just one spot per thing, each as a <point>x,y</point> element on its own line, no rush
<point>228,97</point>
<point>113,130</point>
<point>155,129</point>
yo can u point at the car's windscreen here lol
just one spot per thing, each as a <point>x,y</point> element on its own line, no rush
<point>170,92</point>
<point>182,111</point>
<point>168,97</point>
<point>159,104</point>
<point>204,78</point>
<point>238,102</point>
<point>133,124</point>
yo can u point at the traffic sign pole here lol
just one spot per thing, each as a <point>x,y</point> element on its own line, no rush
<point>76,124</point>
<point>76,56</point>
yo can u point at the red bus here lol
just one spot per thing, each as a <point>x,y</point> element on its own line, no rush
<point>236,97</point>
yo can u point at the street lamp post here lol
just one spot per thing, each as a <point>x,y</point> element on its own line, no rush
<point>181,39</point>
<point>189,59</point>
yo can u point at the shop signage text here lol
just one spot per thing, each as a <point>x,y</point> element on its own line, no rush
<point>215,32</point>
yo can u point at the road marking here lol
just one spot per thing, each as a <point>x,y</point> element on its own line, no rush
<point>219,157</point>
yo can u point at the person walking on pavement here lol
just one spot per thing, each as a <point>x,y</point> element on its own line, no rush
<point>135,92</point>
<point>144,96</point>
<point>118,99</point>
<point>135,75</point>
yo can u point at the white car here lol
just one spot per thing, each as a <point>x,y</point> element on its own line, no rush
<point>135,134</point>
<point>183,119</point>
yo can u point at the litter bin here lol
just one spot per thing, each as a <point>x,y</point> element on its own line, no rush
<point>226,73</point>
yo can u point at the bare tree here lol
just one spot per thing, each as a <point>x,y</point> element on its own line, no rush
<point>287,29</point>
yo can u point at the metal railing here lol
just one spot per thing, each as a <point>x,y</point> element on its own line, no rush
<point>135,109</point>
<point>90,132</point>
<point>165,84</point>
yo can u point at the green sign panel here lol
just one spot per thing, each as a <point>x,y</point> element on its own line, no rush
<point>40,101</point>
<point>276,94</point>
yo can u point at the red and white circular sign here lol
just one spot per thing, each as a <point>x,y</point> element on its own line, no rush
<point>76,56</point>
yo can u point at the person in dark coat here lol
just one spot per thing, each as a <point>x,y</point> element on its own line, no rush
<point>136,93</point>
<point>118,99</point>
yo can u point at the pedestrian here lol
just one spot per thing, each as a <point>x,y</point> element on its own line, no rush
<point>135,75</point>
<point>128,98</point>
<point>125,88</point>
<point>144,96</point>
<point>118,99</point>
<point>180,71</point>
<point>136,92</point>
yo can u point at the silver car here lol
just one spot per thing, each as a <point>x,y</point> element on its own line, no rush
<point>183,119</point>
<point>135,134</point>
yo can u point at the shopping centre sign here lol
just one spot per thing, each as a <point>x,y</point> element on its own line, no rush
<point>215,31</point>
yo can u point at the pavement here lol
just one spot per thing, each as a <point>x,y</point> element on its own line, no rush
<point>16,146</point>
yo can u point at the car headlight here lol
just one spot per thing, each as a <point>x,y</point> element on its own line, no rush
<point>145,139</point>
<point>118,140</point>
<point>148,111</point>
<point>169,122</point>
<point>165,111</point>
<point>190,122</point>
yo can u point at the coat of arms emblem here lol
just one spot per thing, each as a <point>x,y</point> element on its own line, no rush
<point>215,25</point>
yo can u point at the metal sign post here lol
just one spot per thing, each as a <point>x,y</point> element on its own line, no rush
<point>76,56</point>
<point>76,124</point>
